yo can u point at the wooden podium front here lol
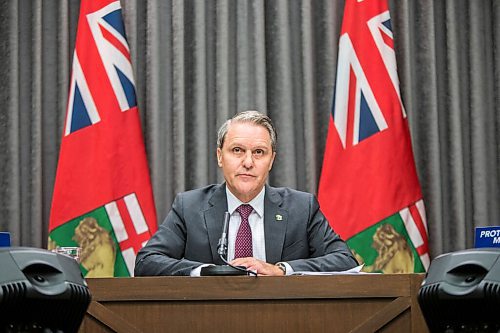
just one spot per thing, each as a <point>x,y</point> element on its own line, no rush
<point>338,303</point>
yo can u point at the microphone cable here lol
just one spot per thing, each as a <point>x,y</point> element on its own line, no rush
<point>249,272</point>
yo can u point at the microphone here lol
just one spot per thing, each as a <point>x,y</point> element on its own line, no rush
<point>227,269</point>
<point>222,246</point>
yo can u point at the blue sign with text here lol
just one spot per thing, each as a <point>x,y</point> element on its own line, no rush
<point>4,239</point>
<point>487,237</point>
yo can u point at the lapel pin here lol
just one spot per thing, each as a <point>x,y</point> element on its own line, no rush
<point>279,217</point>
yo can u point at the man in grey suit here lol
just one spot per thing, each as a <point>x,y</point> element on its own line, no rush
<point>272,231</point>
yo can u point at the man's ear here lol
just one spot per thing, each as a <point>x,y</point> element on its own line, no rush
<point>219,157</point>
<point>272,161</point>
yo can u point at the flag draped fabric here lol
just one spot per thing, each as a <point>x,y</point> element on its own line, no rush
<point>369,188</point>
<point>103,200</point>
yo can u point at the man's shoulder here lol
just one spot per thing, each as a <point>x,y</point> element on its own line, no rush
<point>199,198</point>
<point>289,193</point>
<point>202,192</point>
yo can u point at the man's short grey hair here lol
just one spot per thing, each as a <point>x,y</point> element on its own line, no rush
<point>253,117</point>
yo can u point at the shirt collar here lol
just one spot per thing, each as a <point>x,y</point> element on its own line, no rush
<point>257,203</point>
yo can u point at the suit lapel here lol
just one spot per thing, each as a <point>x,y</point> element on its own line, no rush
<point>214,216</point>
<point>275,222</point>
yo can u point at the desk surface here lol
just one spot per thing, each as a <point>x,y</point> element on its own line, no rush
<point>338,303</point>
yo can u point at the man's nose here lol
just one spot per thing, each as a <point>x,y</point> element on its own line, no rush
<point>248,159</point>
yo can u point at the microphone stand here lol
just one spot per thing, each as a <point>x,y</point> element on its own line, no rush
<point>228,269</point>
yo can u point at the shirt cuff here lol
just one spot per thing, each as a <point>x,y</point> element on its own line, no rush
<point>197,271</point>
<point>289,269</point>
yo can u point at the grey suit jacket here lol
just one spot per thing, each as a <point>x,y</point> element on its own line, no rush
<point>189,235</point>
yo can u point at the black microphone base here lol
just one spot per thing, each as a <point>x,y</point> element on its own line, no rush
<point>223,270</point>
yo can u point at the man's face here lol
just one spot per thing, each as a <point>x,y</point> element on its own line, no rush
<point>246,159</point>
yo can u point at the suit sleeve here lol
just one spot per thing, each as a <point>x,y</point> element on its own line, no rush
<point>164,252</point>
<point>327,251</point>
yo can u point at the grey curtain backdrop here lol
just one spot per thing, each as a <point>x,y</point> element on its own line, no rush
<point>199,62</point>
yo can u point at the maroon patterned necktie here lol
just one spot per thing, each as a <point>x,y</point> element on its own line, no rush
<point>243,244</point>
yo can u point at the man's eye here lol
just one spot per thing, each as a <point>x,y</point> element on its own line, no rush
<point>259,152</point>
<point>236,150</point>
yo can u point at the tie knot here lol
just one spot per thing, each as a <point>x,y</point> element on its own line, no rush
<point>244,210</point>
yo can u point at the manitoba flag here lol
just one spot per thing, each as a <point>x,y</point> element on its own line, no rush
<point>369,189</point>
<point>103,200</point>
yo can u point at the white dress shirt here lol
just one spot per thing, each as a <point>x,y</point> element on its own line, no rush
<point>256,221</point>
